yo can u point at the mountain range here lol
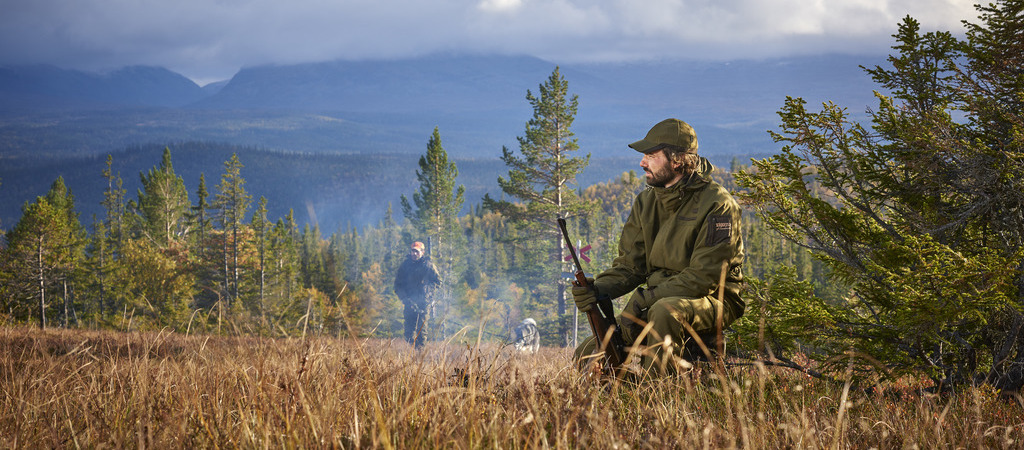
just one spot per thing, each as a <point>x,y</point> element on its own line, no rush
<point>478,103</point>
<point>50,114</point>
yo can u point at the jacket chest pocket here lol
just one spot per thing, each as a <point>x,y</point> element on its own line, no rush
<point>674,244</point>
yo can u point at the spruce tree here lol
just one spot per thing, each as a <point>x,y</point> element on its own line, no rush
<point>114,203</point>
<point>198,215</point>
<point>114,225</point>
<point>542,178</point>
<point>921,215</point>
<point>260,226</point>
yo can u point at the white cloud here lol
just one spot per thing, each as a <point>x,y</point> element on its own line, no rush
<point>500,5</point>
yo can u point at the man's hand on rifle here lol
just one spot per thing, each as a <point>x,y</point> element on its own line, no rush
<point>584,296</point>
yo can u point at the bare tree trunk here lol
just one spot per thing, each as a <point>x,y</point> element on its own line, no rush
<point>65,283</point>
<point>227,283</point>
<point>263,278</point>
<point>563,322</point>
<point>101,275</point>
<point>42,286</point>
<point>234,259</point>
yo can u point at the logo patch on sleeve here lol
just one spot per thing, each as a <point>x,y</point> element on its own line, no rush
<point>719,229</point>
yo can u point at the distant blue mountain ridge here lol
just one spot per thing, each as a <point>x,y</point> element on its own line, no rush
<point>478,103</point>
<point>304,131</point>
<point>44,87</point>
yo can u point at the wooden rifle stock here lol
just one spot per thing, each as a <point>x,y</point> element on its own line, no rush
<point>601,316</point>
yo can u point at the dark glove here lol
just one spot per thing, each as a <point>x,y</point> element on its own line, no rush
<point>584,296</point>
<point>635,313</point>
<point>644,301</point>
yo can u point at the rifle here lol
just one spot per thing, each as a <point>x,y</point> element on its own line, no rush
<point>601,318</point>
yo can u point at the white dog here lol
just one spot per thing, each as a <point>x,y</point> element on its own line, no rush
<point>527,337</point>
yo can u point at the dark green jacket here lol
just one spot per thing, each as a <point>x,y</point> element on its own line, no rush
<point>675,241</point>
<point>416,281</point>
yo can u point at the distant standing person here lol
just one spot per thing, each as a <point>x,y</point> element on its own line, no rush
<point>415,283</point>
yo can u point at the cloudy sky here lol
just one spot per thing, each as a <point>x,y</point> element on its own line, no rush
<point>209,40</point>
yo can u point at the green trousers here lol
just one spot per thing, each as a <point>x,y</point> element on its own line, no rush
<point>661,345</point>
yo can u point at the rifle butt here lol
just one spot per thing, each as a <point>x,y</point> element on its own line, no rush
<point>611,344</point>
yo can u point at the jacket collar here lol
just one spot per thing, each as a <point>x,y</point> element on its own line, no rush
<point>671,197</point>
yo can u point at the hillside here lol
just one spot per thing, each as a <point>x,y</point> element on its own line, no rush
<point>334,190</point>
<point>478,102</point>
<point>48,88</point>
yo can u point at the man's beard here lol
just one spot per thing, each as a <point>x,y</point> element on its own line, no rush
<point>659,178</point>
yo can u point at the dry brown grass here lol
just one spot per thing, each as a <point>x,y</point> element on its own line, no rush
<point>105,389</point>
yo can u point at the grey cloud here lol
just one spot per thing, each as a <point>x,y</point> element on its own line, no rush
<point>209,40</point>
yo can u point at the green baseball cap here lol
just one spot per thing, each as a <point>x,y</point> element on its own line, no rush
<point>673,132</point>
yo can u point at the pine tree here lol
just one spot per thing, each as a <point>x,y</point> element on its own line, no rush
<point>542,178</point>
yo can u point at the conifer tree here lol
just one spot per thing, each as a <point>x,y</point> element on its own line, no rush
<point>96,258</point>
<point>201,222</point>
<point>260,227</point>
<point>283,269</point>
<point>106,254</point>
<point>921,216</point>
<point>438,201</point>
<point>42,250</point>
<point>34,252</point>
<point>312,264</point>
<point>232,202</point>
<point>542,178</point>
<point>60,197</point>
<point>207,263</point>
<point>113,203</point>
<point>289,254</point>
<point>163,203</point>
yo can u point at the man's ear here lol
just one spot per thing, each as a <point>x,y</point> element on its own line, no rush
<point>677,162</point>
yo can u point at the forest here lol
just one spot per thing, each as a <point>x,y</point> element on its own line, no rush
<point>883,249</point>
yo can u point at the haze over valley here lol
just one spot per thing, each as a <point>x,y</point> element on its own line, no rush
<point>375,117</point>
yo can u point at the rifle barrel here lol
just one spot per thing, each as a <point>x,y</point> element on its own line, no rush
<point>572,251</point>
